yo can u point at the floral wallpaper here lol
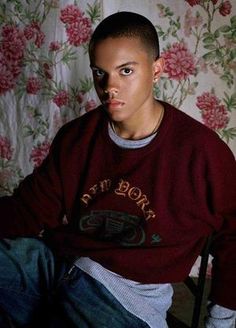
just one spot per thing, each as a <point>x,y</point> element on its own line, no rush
<point>39,46</point>
<point>201,47</point>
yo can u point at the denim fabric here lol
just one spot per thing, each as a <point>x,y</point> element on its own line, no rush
<point>83,297</point>
<point>37,292</point>
<point>26,277</point>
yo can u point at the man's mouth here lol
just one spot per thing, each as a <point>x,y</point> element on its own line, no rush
<point>113,103</point>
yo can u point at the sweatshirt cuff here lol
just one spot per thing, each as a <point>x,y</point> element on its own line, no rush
<point>220,317</point>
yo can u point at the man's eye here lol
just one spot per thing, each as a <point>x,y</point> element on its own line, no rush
<point>98,73</point>
<point>126,71</point>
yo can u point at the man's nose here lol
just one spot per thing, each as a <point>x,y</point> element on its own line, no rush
<point>111,86</point>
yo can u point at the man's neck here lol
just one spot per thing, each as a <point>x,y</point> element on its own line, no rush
<point>142,129</point>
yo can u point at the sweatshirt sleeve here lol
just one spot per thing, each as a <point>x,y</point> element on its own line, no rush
<point>221,182</point>
<point>220,317</point>
<point>36,203</point>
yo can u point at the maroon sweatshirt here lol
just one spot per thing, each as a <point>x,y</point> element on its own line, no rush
<point>143,213</point>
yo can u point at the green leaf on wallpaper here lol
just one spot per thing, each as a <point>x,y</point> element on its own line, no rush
<point>232,53</point>
<point>171,83</point>
<point>219,53</point>
<point>206,34</point>
<point>27,131</point>
<point>209,39</point>
<point>19,92</point>
<point>2,13</point>
<point>159,30</point>
<point>86,84</point>
<point>230,101</point>
<point>233,35</point>
<point>164,96</point>
<point>209,56</point>
<point>227,134</point>
<point>157,91</point>
<point>68,55</point>
<point>225,28</point>
<point>228,78</point>
<point>217,33</point>
<point>210,46</point>
<point>233,21</point>
<point>94,11</point>
<point>165,85</point>
<point>18,7</point>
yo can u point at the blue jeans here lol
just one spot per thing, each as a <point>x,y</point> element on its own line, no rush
<point>37,291</point>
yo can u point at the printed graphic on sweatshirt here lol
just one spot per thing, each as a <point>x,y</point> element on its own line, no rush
<point>123,189</point>
<point>122,228</point>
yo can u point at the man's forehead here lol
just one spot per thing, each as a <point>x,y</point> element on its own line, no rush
<point>118,51</point>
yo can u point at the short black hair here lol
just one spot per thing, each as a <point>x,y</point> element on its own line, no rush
<point>127,24</point>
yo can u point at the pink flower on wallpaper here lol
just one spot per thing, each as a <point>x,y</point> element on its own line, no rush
<point>225,8</point>
<point>15,67</point>
<point>61,98</point>
<point>13,43</point>
<point>179,61</point>
<point>39,40</point>
<point>78,27</point>
<point>33,31</point>
<point>29,31</point>
<point>191,21</point>
<point>79,32</point>
<point>80,97</point>
<point>70,14</point>
<point>7,81</point>
<point>90,105</point>
<point>214,1</point>
<point>214,115</point>
<point>47,70</point>
<point>5,148</point>
<point>12,50</point>
<point>193,2</point>
<point>39,153</point>
<point>54,46</point>
<point>33,85</point>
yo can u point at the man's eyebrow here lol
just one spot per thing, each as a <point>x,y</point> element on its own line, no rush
<point>94,67</point>
<point>130,63</point>
<point>127,64</point>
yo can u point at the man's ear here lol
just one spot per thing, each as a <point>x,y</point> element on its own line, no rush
<point>158,68</point>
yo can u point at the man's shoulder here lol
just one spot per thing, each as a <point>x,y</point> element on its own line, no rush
<point>188,124</point>
<point>189,130</point>
<point>85,123</point>
<point>91,117</point>
<point>79,130</point>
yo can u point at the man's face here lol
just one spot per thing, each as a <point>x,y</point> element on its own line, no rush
<point>123,73</point>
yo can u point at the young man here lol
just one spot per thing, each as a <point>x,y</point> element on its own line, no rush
<point>141,185</point>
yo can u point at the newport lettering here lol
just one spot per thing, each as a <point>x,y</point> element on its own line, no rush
<point>123,189</point>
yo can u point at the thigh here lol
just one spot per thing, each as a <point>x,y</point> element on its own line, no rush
<point>26,276</point>
<point>84,302</point>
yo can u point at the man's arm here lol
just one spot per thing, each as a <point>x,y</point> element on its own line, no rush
<point>36,203</point>
<point>221,198</point>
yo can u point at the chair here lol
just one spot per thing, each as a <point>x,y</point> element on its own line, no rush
<point>197,290</point>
